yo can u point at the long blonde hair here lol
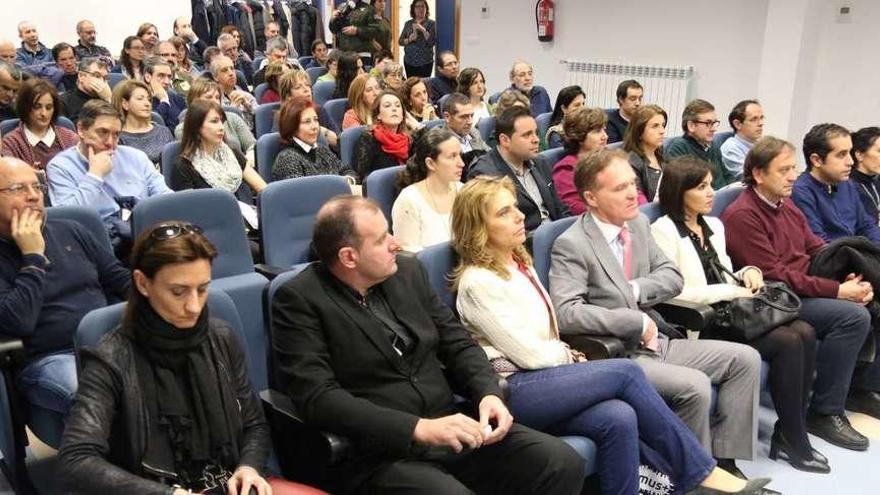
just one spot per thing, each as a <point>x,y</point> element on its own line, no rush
<point>356,98</point>
<point>470,232</point>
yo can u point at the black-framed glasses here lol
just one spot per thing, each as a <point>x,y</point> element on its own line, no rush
<point>23,189</point>
<point>708,123</point>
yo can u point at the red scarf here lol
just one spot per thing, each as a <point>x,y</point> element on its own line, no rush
<point>393,143</point>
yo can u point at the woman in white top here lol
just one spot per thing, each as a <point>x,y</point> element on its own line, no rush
<point>472,84</point>
<point>430,181</point>
<point>552,388</point>
<point>695,242</point>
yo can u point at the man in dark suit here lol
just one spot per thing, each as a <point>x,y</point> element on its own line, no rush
<point>361,341</point>
<point>515,156</point>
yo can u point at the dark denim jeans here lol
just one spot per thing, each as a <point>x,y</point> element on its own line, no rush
<point>612,403</point>
<point>49,382</point>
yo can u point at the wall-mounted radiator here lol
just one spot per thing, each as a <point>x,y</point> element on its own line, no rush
<point>668,87</point>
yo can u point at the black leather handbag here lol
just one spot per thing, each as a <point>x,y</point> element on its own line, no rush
<point>746,318</point>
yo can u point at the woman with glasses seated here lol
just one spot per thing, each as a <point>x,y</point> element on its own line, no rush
<point>133,101</point>
<point>391,76</point>
<point>131,59</point>
<point>644,143</point>
<point>552,387</point>
<point>38,137</point>
<point>694,241</point>
<point>237,134</point>
<point>164,404</point>
<point>206,161</point>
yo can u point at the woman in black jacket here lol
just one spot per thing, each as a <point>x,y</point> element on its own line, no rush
<point>385,143</point>
<point>164,404</point>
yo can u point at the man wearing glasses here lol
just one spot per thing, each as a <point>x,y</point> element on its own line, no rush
<point>229,47</point>
<point>91,84</point>
<point>699,122</point>
<point>52,272</point>
<point>747,119</point>
<point>522,79</point>
<point>86,47</point>
<point>445,80</point>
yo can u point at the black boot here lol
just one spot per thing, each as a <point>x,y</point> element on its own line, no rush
<point>781,449</point>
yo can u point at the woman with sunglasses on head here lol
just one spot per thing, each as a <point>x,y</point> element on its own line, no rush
<point>164,404</point>
<point>554,389</point>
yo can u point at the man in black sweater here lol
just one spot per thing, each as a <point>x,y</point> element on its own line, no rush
<point>629,99</point>
<point>51,274</point>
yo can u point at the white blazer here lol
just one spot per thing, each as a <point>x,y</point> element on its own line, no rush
<point>682,252</point>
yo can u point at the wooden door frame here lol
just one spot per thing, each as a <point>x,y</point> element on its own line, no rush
<point>396,24</point>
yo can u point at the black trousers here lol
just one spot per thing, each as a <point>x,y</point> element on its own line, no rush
<point>525,462</point>
<point>418,70</point>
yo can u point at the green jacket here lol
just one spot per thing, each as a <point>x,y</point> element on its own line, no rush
<point>686,145</point>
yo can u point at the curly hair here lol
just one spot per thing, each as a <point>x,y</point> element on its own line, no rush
<point>470,232</point>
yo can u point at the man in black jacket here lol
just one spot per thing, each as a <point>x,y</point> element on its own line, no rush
<point>361,341</point>
<point>515,156</point>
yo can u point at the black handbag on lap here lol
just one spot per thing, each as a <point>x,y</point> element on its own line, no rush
<point>746,318</point>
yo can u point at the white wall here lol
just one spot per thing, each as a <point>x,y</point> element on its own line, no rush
<point>114,19</point>
<point>722,40</point>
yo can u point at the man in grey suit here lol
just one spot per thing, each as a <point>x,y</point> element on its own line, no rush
<point>607,273</point>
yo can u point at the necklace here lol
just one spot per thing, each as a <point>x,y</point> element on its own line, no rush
<point>431,198</point>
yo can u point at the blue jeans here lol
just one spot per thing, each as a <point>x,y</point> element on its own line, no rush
<point>612,403</point>
<point>841,327</point>
<point>49,382</point>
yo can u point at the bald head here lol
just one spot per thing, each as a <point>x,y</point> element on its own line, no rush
<point>15,173</point>
<point>7,51</point>
<point>27,31</point>
<point>85,29</point>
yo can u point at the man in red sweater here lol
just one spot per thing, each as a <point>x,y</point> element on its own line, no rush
<point>766,229</point>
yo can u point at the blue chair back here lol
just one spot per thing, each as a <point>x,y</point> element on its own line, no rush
<point>440,104</point>
<point>236,111</point>
<point>380,186</point>
<point>486,125</point>
<point>725,196</point>
<point>65,122</point>
<point>264,118</point>
<point>542,246</point>
<point>315,72</point>
<point>551,156</point>
<point>215,211</point>
<point>156,118</point>
<point>652,210</point>
<point>336,108</point>
<point>287,211</point>
<point>168,160</point>
<point>720,137</point>
<point>260,90</point>
<point>8,126</point>
<point>115,78</point>
<point>255,65</point>
<point>306,60</point>
<point>347,140</point>
<point>430,124</point>
<point>439,260</point>
<point>268,147</point>
<point>322,92</point>
<point>543,122</point>
<point>494,97</point>
<point>85,216</point>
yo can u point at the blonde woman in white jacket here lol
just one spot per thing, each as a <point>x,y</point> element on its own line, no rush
<point>553,388</point>
<point>695,242</point>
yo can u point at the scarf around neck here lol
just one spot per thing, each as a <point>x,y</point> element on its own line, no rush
<point>220,170</point>
<point>393,143</point>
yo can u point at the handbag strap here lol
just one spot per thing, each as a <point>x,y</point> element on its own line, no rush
<point>718,264</point>
<point>781,287</point>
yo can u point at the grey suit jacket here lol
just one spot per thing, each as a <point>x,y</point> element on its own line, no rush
<point>588,287</point>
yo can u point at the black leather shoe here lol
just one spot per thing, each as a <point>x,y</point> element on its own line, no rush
<point>781,449</point>
<point>864,402</point>
<point>729,465</point>
<point>835,429</point>
<point>819,456</point>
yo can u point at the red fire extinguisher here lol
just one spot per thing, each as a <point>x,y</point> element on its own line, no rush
<point>544,15</point>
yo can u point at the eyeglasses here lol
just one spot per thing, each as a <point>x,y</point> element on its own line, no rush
<point>24,189</point>
<point>173,230</point>
<point>708,123</point>
<point>96,74</point>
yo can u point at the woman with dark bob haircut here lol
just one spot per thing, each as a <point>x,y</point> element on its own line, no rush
<point>164,404</point>
<point>695,242</point>
<point>303,155</point>
<point>570,98</point>
<point>39,107</point>
<point>866,171</point>
<point>584,132</point>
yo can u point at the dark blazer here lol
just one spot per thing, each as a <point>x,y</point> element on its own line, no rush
<point>337,363</point>
<point>493,164</point>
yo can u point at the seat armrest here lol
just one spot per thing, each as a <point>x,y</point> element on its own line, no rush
<point>269,271</point>
<point>693,316</point>
<point>596,347</point>
<point>9,344</point>
<point>306,452</point>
